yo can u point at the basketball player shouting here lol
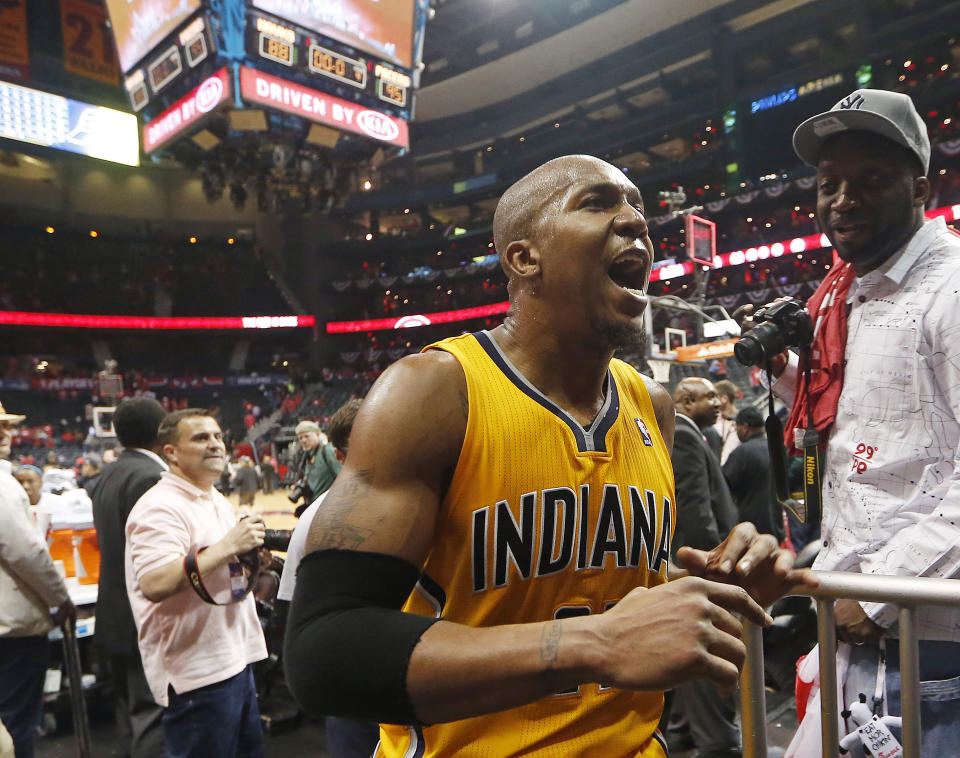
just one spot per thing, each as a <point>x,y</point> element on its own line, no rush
<point>512,492</point>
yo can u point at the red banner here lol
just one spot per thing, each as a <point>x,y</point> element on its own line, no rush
<point>284,95</point>
<point>187,111</point>
<point>420,319</point>
<point>153,322</point>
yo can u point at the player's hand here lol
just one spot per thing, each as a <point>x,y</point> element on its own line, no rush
<point>751,560</point>
<point>744,317</point>
<point>246,535</point>
<point>66,612</point>
<point>854,626</point>
<point>686,629</point>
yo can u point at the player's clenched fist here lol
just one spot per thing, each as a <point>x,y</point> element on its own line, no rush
<point>683,630</point>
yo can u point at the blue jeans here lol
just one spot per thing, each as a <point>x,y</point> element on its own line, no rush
<point>349,738</point>
<point>23,666</point>
<point>939,690</point>
<point>220,720</point>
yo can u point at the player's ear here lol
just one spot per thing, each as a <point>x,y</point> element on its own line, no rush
<point>921,190</point>
<point>521,259</point>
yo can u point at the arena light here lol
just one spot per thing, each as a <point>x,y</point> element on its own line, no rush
<point>72,320</point>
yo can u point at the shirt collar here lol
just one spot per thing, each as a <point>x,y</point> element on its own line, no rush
<point>690,421</point>
<point>152,455</point>
<point>189,488</point>
<point>898,265</point>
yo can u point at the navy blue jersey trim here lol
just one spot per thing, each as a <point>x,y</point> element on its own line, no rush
<point>613,411</point>
<point>417,747</point>
<point>433,593</point>
<point>588,440</point>
<point>663,743</point>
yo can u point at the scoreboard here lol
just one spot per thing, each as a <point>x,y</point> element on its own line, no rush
<point>346,72</point>
<point>350,66</point>
<point>185,50</point>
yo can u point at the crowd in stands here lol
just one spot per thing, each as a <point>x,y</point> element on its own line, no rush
<point>72,271</point>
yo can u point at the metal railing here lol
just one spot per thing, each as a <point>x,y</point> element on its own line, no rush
<point>905,592</point>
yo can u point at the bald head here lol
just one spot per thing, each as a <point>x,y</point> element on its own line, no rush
<point>697,399</point>
<point>522,205</point>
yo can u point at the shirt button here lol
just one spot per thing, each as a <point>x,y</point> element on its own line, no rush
<point>862,298</point>
<point>825,543</point>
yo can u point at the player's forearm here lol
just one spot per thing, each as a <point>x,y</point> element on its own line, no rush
<point>458,671</point>
<point>171,579</point>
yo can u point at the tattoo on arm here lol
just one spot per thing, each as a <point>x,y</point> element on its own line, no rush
<point>550,652</point>
<point>464,405</point>
<point>335,531</point>
<point>344,537</point>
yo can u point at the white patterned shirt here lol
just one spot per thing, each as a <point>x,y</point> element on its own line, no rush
<point>891,479</point>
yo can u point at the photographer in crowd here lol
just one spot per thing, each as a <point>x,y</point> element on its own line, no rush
<point>197,621</point>
<point>316,464</point>
<point>884,390</point>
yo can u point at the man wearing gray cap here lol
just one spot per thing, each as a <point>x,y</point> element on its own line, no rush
<point>885,390</point>
<point>317,461</point>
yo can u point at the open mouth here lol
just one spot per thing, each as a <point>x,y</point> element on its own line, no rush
<point>629,273</point>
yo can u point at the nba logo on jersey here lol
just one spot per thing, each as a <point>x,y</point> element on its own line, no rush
<point>644,432</point>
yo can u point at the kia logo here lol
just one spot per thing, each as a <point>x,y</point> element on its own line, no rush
<point>209,94</point>
<point>378,126</point>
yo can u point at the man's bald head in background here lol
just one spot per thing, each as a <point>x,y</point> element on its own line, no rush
<point>697,399</point>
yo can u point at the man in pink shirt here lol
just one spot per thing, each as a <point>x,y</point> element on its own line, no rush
<point>197,654</point>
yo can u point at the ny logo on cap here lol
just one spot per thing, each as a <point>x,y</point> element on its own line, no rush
<point>851,101</point>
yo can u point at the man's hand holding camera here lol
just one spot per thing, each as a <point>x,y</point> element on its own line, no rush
<point>247,535</point>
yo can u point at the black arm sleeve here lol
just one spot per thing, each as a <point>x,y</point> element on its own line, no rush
<point>348,646</point>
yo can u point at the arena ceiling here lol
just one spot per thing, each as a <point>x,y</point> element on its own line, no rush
<point>480,52</point>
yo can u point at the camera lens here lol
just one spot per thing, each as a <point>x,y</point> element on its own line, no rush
<point>748,351</point>
<point>760,344</point>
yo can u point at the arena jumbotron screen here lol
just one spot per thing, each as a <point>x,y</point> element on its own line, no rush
<point>140,25</point>
<point>383,28</point>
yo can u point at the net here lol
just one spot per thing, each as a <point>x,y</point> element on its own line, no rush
<point>660,369</point>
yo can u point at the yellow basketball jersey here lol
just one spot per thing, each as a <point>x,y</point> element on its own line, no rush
<point>546,519</point>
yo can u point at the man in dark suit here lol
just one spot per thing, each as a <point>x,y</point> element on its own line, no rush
<point>122,483</point>
<point>748,475</point>
<point>705,515</point>
<point>705,510</point>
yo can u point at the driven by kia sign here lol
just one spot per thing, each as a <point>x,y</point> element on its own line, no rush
<point>284,95</point>
<point>187,111</point>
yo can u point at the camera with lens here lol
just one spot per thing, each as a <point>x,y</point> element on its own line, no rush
<point>780,325</point>
<point>299,490</point>
<point>277,539</point>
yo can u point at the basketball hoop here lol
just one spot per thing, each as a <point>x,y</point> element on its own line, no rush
<point>660,369</point>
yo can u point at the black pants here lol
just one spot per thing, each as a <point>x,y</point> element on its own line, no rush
<point>138,717</point>
<point>23,667</point>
